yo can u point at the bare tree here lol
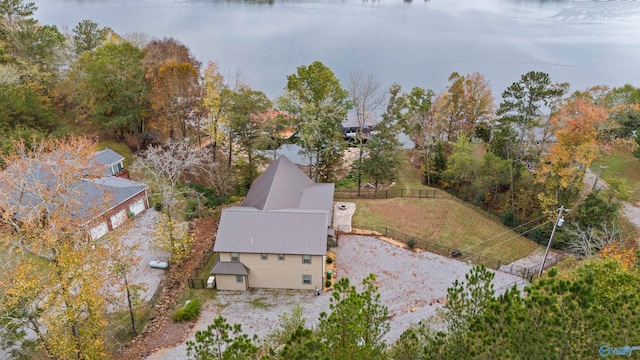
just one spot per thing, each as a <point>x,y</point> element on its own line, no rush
<point>366,98</point>
<point>587,241</point>
<point>164,167</point>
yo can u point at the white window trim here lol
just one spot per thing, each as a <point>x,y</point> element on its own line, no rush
<point>281,257</point>
<point>237,256</point>
<point>239,279</point>
<point>308,258</point>
<point>264,256</point>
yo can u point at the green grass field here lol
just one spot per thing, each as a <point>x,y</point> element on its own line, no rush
<point>448,222</point>
<point>623,167</point>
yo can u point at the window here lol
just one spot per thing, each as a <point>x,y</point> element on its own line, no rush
<point>264,256</point>
<point>306,259</point>
<point>281,257</point>
<point>235,256</point>
<point>306,279</point>
<point>116,168</point>
<point>239,279</point>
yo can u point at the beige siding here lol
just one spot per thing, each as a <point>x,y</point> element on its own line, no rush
<point>228,282</point>
<point>287,274</point>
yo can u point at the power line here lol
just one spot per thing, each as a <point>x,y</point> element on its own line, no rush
<point>511,238</point>
<point>510,230</point>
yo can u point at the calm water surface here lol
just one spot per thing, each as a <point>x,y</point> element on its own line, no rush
<point>413,43</point>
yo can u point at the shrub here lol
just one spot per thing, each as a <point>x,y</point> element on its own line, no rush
<point>329,260</point>
<point>328,276</point>
<point>411,243</point>
<point>188,312</point>
<point>327,283</point>
<point>509,219</point>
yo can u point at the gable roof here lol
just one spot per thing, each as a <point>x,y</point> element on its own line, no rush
<point>284,212</point>
<point>280,186</point>
<point>107,157</point>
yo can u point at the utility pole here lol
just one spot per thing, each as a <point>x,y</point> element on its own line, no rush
<point>595,183</point>
<point>559,222</point>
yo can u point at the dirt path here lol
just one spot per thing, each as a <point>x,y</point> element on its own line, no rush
<point>161,332</point>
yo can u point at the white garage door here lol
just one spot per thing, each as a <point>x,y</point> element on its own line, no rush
<point>118,219</point>
<point>137,207</point>
<point>99,231</point>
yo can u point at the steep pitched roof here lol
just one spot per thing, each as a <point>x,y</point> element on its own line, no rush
<point>285,212</point>
<point>280,186</point>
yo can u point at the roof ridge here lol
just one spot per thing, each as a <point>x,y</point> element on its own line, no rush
<point>273,181</point>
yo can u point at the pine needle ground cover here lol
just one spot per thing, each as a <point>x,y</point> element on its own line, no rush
<point>447,222</point>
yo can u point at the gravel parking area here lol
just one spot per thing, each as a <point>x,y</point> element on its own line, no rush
<point>412,285</point>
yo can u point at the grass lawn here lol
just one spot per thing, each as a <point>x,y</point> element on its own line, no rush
<point>622,166</point>
<point>408,176</point>
<point>448,222</point>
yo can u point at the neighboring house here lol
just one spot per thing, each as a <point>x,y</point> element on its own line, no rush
<point>278,238</point>
<point>103,203</point>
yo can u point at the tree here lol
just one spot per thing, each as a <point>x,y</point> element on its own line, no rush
<point>246,121</point>
<point>121,266</point>
<point>164,167</point>
<point>519,109</point>
<point>366,99</point>
<point>222,341</point>
<point>317,101</point>
<point>562,170</point>
<point>214,104</point>
<point>24,106</point>
<point>55,289</point>
<point>106,87</point>
<point>175,97</point>
<point>383,162</point>
<point>357,322</point>
<point>288,324</point>
<point>423,126</point>
<point>465,103</point>
<point>87,36</point>
<point>463,165</point>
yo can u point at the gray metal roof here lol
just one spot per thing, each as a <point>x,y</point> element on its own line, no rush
<point>317,196</point>
<point>230,268</point>
<point>107,157</point>
<point>280,186</point>
<point>287,231</point>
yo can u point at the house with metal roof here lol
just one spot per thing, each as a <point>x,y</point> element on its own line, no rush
<point>278,237</point>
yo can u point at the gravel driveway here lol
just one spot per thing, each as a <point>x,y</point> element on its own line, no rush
<point>410,285</point>
<point>141,233</point>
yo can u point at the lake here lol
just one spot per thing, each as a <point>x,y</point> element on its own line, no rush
<point>415,43</point>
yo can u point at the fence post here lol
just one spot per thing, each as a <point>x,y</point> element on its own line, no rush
<point>498,265</point>
<point>385,231</point>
